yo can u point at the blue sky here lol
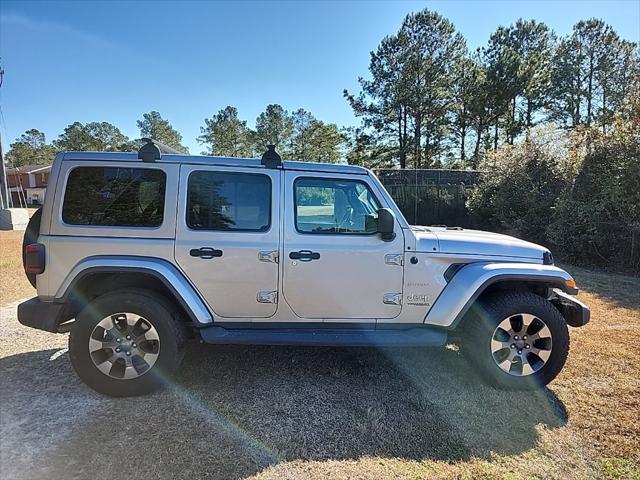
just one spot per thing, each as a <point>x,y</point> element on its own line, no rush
<point>113,61</point>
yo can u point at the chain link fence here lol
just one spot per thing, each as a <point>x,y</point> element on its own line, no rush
<point>431,196</point>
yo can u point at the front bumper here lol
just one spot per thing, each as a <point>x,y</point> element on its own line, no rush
<point>41,315</point>
<point>576,313</point>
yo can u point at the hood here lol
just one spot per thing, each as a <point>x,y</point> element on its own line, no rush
<point>475,242</point>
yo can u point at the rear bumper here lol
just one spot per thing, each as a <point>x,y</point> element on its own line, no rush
<point>41,315</point>
<point>576,313</point>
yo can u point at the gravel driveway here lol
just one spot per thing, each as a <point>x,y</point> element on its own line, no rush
<point>233,411</point>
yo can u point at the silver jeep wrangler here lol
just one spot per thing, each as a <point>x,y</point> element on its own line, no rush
<point>135,254</point>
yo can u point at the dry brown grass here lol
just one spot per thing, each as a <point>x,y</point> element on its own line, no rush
<point>596,433</point>
<point>600,385</point>
<point>13,283</point>
<point>375,413</point>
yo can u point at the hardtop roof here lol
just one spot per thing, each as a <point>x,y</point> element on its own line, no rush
<point>214,161</point>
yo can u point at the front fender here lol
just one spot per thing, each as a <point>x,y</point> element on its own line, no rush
<point>473,279</point>
<point>164,271</point>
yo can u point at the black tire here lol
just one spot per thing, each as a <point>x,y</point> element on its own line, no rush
<point>484,318</point>
<point>158,312</point>
<point>31,236</point>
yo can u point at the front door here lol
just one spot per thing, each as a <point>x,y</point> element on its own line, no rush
<point>335,265</point>
<point>227,237</point>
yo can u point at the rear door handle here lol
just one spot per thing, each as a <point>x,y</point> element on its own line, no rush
<point>205,252</point>
<point>304,255</point>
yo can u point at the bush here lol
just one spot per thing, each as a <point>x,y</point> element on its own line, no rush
<point>597,221</point>
<point>578,193</point>
<point>520,187</point>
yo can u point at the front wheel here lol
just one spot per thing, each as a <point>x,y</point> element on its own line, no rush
<point>518,340</point>
<point>126,343</point>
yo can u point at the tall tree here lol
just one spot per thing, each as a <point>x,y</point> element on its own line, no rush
<point>410,92</point>
<point>274,126</point>
<point>533,43</point>
<point>30,149</point>
<point>152,125</point>
<point>593,70</point>
<point>226,135</point>
<point>313,140</point>
<point>94,136</point>
<point>464,95</point>
<point>502,63</point>
<point>383,101</point>
<point>431,51</point>
<point>363,149</point>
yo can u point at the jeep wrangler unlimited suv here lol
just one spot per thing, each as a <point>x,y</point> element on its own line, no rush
<point>134,254</point>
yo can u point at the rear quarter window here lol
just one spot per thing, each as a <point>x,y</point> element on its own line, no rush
<point>114,196</point>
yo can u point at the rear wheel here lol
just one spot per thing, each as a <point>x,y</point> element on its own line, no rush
<point>518,340</point>
<point>126,343</point>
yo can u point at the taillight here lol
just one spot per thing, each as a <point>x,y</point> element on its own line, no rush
<point>34,258</point>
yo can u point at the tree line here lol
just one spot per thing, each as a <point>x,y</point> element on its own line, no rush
<point>298,135</point>
<point>427,101</point>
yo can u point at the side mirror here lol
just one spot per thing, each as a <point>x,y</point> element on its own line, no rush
<point>386,223</point>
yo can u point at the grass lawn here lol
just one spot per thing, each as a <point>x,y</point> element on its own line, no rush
<point>378,413</point>
<point>13,282</point>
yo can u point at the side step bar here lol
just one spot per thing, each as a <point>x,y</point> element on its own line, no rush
<point>413,337</point>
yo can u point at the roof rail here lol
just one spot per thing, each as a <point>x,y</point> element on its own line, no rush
<point>152,150</point>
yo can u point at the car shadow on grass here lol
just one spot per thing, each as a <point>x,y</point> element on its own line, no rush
<point>232,411</point>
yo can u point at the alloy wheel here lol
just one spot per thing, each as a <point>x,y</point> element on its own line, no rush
<point>521,344</point>
<point>124,346</point>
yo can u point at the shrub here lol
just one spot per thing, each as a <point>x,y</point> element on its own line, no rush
<point>520,186</point>
<point>578,192</point>
<point>597,221</point>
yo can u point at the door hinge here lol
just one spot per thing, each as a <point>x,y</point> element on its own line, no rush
<point>267,296</point>
<point>394,259</point>
<point>392,298</point>
<point>268,256</point>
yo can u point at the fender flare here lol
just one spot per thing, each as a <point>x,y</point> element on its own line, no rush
<point>471,280</point>
<point>164,271</point>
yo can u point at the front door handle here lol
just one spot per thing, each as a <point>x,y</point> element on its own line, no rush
<point>205,252</point>
<point>304,255</point>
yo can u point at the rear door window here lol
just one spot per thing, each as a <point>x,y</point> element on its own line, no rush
<point>229,201</point>
<point>114,196</point>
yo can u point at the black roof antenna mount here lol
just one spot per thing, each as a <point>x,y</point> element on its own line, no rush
<point>152,150</point>
<point>271,158</point>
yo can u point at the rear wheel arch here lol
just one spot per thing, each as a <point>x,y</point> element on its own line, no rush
<point>94,283</point>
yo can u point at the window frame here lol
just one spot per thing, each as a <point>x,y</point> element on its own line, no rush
<point>338,179</point>
<point>235,230</point>
<point>113,227</point>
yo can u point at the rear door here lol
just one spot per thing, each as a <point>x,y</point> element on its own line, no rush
<point>227,237</point>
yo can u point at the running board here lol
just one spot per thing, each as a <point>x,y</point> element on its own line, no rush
<point>413,337</point>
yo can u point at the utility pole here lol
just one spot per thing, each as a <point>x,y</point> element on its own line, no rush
<point>10,218</point>
<point>4,190</point>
